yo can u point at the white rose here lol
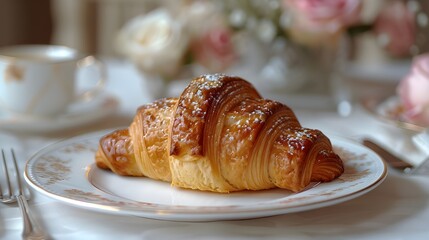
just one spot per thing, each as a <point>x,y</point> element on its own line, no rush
<point>155,42</point>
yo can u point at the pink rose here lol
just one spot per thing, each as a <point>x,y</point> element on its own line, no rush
<point>214,50</point>
<point>395,28</point>
<point>413,91</point>
<point>319,18</point>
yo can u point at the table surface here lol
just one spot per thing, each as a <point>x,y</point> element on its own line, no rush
<point>397,209</point>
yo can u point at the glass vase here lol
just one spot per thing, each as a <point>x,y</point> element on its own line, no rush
<point>295,69</point>
<point>157,86</point>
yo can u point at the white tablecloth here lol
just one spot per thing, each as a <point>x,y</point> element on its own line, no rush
<point>397,209</point>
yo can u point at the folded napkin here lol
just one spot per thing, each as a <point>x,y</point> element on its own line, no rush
<point>422,140</point>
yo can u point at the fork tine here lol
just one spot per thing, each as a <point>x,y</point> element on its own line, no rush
<point>18,176</point>
<point>6,174</point>
<point>32,229</point>
<point>1,189</point>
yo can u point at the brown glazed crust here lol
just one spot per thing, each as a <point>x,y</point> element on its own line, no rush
<point>149,132</point>
<point>198,102</point>
<point>118,148</point>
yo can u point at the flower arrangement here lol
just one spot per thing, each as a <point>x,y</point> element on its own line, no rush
<point>308,22</point>
<point>161,42</point>
<point>413,91</point>
<point>203,31</point>
<point>395,28</point>
<point>298,35</point>
<point>286,36</point>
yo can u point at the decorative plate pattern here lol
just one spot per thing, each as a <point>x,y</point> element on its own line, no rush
<point>66,171</point>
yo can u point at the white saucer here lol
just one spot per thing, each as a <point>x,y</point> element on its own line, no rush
<point>391,111</point>
<point>79,113</point>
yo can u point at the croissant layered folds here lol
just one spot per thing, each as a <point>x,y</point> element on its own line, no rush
<point>220,135</point>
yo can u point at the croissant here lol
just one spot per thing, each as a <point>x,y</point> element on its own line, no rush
<point>220,135</point>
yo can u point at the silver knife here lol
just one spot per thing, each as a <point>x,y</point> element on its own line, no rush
<point>396,162</point>
<point>423,168</point>
<point>391,159</point>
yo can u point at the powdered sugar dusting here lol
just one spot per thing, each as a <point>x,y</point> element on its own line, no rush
<point>214,77</point>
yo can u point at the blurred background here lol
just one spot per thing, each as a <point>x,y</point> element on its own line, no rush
<point>92,25</point>
<point>285,46</point>
<point>88,25</point>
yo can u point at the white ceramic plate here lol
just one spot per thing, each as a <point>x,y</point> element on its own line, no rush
<point>76,115</point>
<point>66,171</point>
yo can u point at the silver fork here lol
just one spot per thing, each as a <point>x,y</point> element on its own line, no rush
<point>31,230</point>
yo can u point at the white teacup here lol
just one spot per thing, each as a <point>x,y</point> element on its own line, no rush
<point>40,80</point>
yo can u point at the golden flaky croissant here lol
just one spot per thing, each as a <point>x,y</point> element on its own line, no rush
<point>220,136</point>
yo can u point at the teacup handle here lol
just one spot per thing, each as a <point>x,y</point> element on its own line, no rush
<point>99,85</point>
